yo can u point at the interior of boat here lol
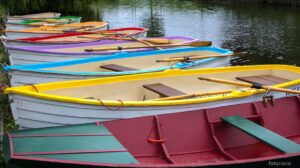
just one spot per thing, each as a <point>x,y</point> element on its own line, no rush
<point>84,26</point>
<point>213,136</point>
<point>89,37</point>
<point>152,86</point>
<point>82,48</point>
<point>131,63</point>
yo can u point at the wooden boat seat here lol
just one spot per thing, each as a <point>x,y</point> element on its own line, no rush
<point>267,136</point>
<point>163,90</point>
<point>263,79</point>
<point>117,68</point>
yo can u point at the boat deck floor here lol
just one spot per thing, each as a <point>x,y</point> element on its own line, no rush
<point>214,156</point>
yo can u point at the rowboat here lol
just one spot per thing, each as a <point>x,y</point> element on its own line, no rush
<point>128,96</point>
<point>20,55</point>
<point>244,135</point>
<point>25,24</point>
<point>55,30</point>
<point>45,15</point>
<point>118,64</point>
<point>79,37</point>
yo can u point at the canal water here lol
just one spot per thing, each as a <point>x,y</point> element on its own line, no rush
<point>271,34</point>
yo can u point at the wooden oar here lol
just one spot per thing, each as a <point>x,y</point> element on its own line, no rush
<point>257,86</point>
<point>188,58</point>
<point>145,42</point>
<point>192,44</point>
<point>151,40</point>
<point>192,95</point>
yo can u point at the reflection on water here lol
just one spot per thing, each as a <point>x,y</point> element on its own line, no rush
<point>270,34</point>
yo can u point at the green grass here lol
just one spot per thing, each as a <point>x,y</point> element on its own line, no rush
<point>4,105</point>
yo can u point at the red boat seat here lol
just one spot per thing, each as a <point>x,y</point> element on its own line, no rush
<point>117,68</point>
<point>267,136</point>
<point>163,90</point>
<point>263,79</point>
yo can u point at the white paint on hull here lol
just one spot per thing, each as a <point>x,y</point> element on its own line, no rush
<point>31,112</point>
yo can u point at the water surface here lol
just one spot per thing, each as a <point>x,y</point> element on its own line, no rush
<point>271,34</point>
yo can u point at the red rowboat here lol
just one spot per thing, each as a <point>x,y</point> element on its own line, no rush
<point>79,37</point>
<point>254,134</point>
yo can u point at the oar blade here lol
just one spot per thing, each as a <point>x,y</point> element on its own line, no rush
<point>200,43</point>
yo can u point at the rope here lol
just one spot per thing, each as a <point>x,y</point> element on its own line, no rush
<point>3,86</point>
<point>154,140</point>
<point>110,108</point>
<point>34,87</point>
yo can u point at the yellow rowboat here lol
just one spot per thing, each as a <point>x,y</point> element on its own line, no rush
<point>55,30</point>
<point>101,99</point>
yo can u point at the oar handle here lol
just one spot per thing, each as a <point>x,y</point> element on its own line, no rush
<point>192,44</point>
<point>189,58</point>
<point>256,86</point>
<point>145,42</point>
<point>192,95</point>
<point>225,81</point>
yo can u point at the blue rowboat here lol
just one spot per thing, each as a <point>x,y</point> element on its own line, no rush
<point>123,63</point>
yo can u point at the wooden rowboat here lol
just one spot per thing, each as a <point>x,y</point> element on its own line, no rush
<point>20,55</point>
<point>101,99</point>
<point>45,15</point>
<point>245,135</point>
<point>25,24</point>
<point>55,30</point>
<point>79,37</point>
<point>118,64</point>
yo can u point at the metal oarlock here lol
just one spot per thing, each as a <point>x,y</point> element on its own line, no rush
<point>268,98</point>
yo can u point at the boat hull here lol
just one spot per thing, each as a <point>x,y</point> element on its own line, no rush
<point>19,78</point>
<point>18,56</point>
<point>285,162</point>
<point>29,75</point>
<point>16,26</point>
<point>45,15</point>
<point>200,138</point>
<point>20,43</point>
<point>18,35</point>
<point>31,112</point>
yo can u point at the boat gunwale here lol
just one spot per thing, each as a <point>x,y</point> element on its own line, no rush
<point>31,90</point>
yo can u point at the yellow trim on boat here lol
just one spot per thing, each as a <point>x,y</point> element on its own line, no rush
<point>240,93</point>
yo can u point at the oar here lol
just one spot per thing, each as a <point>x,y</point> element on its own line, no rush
<point>192,44</point>
<point>257,86</point>
<point>188,58</point>
<point>145,42</point>
<point>192,95</point>
<point>151,40</point>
